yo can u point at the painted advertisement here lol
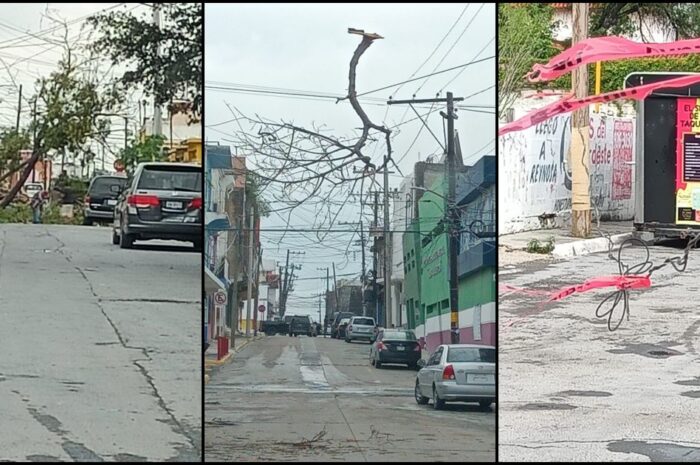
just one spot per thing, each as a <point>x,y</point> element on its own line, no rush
<point>535,173</point>
<point>688,161</point>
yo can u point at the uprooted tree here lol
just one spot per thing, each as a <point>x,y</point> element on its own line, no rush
<point>299,164</point>
<point>66,104</point>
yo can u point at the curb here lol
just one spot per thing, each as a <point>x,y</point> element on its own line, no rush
<point>588,246</point>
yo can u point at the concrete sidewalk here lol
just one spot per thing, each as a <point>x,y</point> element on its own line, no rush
<point>210,356</point>
<point>513,247</point>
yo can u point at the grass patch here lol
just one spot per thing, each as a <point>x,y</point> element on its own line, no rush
<point>535,246</point>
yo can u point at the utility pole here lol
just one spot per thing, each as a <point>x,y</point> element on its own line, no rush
<point>335,288</point>
<point>387,247</point>
<point>19,107</point>
<point>580,156</point>
<point>283,295</point>
<point>126,132</point>
<point>362,244</point>
<point>374,262</point>
<point>157,119</point>
<point>451,216</point>
<point>325,320</point>
<point>250,271</point>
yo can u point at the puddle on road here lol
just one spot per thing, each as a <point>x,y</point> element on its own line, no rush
<point>647,350</point>
<point>691,394</point>
<point>657,452</point>
<point>584,394</point>
<point>689,382</point>
<point>547,406</point>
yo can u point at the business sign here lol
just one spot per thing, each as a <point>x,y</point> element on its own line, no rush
<point>688,161</point>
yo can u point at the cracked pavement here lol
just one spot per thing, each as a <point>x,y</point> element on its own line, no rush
<point>570,390</point>
<point>99,347</point>
<point>315,399</point>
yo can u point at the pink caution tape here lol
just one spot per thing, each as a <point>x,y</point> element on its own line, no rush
<point>621,282</point>
<point>568,103</point>
<point>607,49</point>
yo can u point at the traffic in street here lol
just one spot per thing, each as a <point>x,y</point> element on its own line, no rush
<point>97,358</point>
<point>320,399</point>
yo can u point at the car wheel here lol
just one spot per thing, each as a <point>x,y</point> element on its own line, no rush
<point>438,404</point>
<point>87,221</point>
<point>115,237</point>
<point>126,241</point>
<point>413,366</point>
<point>420,398</point>
<point>485,404</point>
<point>347,340</point>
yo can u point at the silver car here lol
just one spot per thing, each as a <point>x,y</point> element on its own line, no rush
<point>458,372</point>
<point>360,327</point>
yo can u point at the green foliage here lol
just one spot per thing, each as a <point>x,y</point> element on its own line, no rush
<point>623,18</point>
<point>11,142</point>
<point>148,149</point>
<point>176,73</point>
<point>524,38</point>
<point>73,188</point>
<point>16,213</point>
<point>535,246</point>
<point>253,190</point>
<point>22,213</point>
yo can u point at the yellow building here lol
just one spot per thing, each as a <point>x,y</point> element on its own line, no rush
<point>187,151</point>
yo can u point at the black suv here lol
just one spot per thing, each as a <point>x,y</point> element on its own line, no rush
<point>101,198</point>
<point>336,322</point>
<point>301,325</point>
<point>162,201</point>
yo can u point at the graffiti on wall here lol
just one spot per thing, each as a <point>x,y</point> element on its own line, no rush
<point>535,171</point>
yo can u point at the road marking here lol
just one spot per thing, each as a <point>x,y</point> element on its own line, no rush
<point>384,392</point>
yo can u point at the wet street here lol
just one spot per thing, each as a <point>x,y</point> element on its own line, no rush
<point>318,399</point>
<point>571,388</point>
<point>99,347</point>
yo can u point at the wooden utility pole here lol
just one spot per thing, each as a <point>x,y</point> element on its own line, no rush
<point>580,156</point>
<point>19,108</point>
<point>250,270</point>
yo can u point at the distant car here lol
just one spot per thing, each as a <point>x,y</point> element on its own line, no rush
<point>360,327</point>
<point>163,201</point>
<point>340,329</point>
<point>458,373</point>
<point>336,321</point>
<point>395,346</point>
<point>101,198</point>
<point>300,324</point>
<point>32,188</point>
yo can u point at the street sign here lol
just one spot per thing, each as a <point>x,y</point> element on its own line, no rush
<point>119,166</point>
<point>261,308</point>
<point>220,297</point>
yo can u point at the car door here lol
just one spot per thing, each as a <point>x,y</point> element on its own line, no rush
<point>435,372</point>
<point>380,336</point>
<point>425,375</point>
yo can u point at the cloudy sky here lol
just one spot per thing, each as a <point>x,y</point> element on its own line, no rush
<point>29,50</point>
<point>304,47</point>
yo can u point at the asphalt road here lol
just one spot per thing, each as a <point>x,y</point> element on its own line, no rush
<point>318,399</point>
<point>571,390</point>
<point>99,347</point>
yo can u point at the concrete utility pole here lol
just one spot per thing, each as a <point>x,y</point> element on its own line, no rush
<point>157,119</point>
<point>335,289</point>
<point>387,248</point>
<point>325,320</point>
<point>362,244</point>
<point>451,218</point>
<point>374,262</point>
<point>580,156</point>
<point>19,107</point>
<point>250,271</point>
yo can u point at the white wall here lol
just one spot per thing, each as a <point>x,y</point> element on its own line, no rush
<point>651,31</point>
<point>534,172</point>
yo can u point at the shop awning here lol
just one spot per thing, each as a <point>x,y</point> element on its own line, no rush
<point>212,283</point>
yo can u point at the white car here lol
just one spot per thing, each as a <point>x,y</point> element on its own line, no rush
<point>32,188</point>
<point>360,327</point>
<point>458,373</point>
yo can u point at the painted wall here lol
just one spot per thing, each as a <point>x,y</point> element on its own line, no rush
<point>535,175</point>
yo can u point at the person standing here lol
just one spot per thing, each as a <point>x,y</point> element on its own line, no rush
<point>37,205</point>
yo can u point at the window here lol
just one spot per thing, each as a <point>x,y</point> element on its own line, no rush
<point>363,321</point>
<point>471,354</point>
<point>445,304</point>
<point>171,178</point>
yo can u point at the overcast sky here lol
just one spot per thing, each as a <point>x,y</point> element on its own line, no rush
<point>28,51</point>
<point>307,47</point>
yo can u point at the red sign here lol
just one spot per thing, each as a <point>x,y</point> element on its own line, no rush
<point>119,166</point>
<point>261,308</point>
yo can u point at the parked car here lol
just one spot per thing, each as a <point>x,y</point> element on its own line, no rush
<point>163,201</point>
<point>360,327</point>
<point>336,321</point>
<point>32,188</point>
<point>395,346</point>
<point>342,326</point>
<point>458,373</point>
<point>301,324</point>
<point>101,198</point>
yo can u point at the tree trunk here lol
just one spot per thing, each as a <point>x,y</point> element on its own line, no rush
<point>25,174</point>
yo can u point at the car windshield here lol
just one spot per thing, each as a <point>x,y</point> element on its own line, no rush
<point>174,178</point>
<point>363,321</point>
<point>399,335</point>
<point>471,354</point>
<point>345,321</point>
<point>103,186</point>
